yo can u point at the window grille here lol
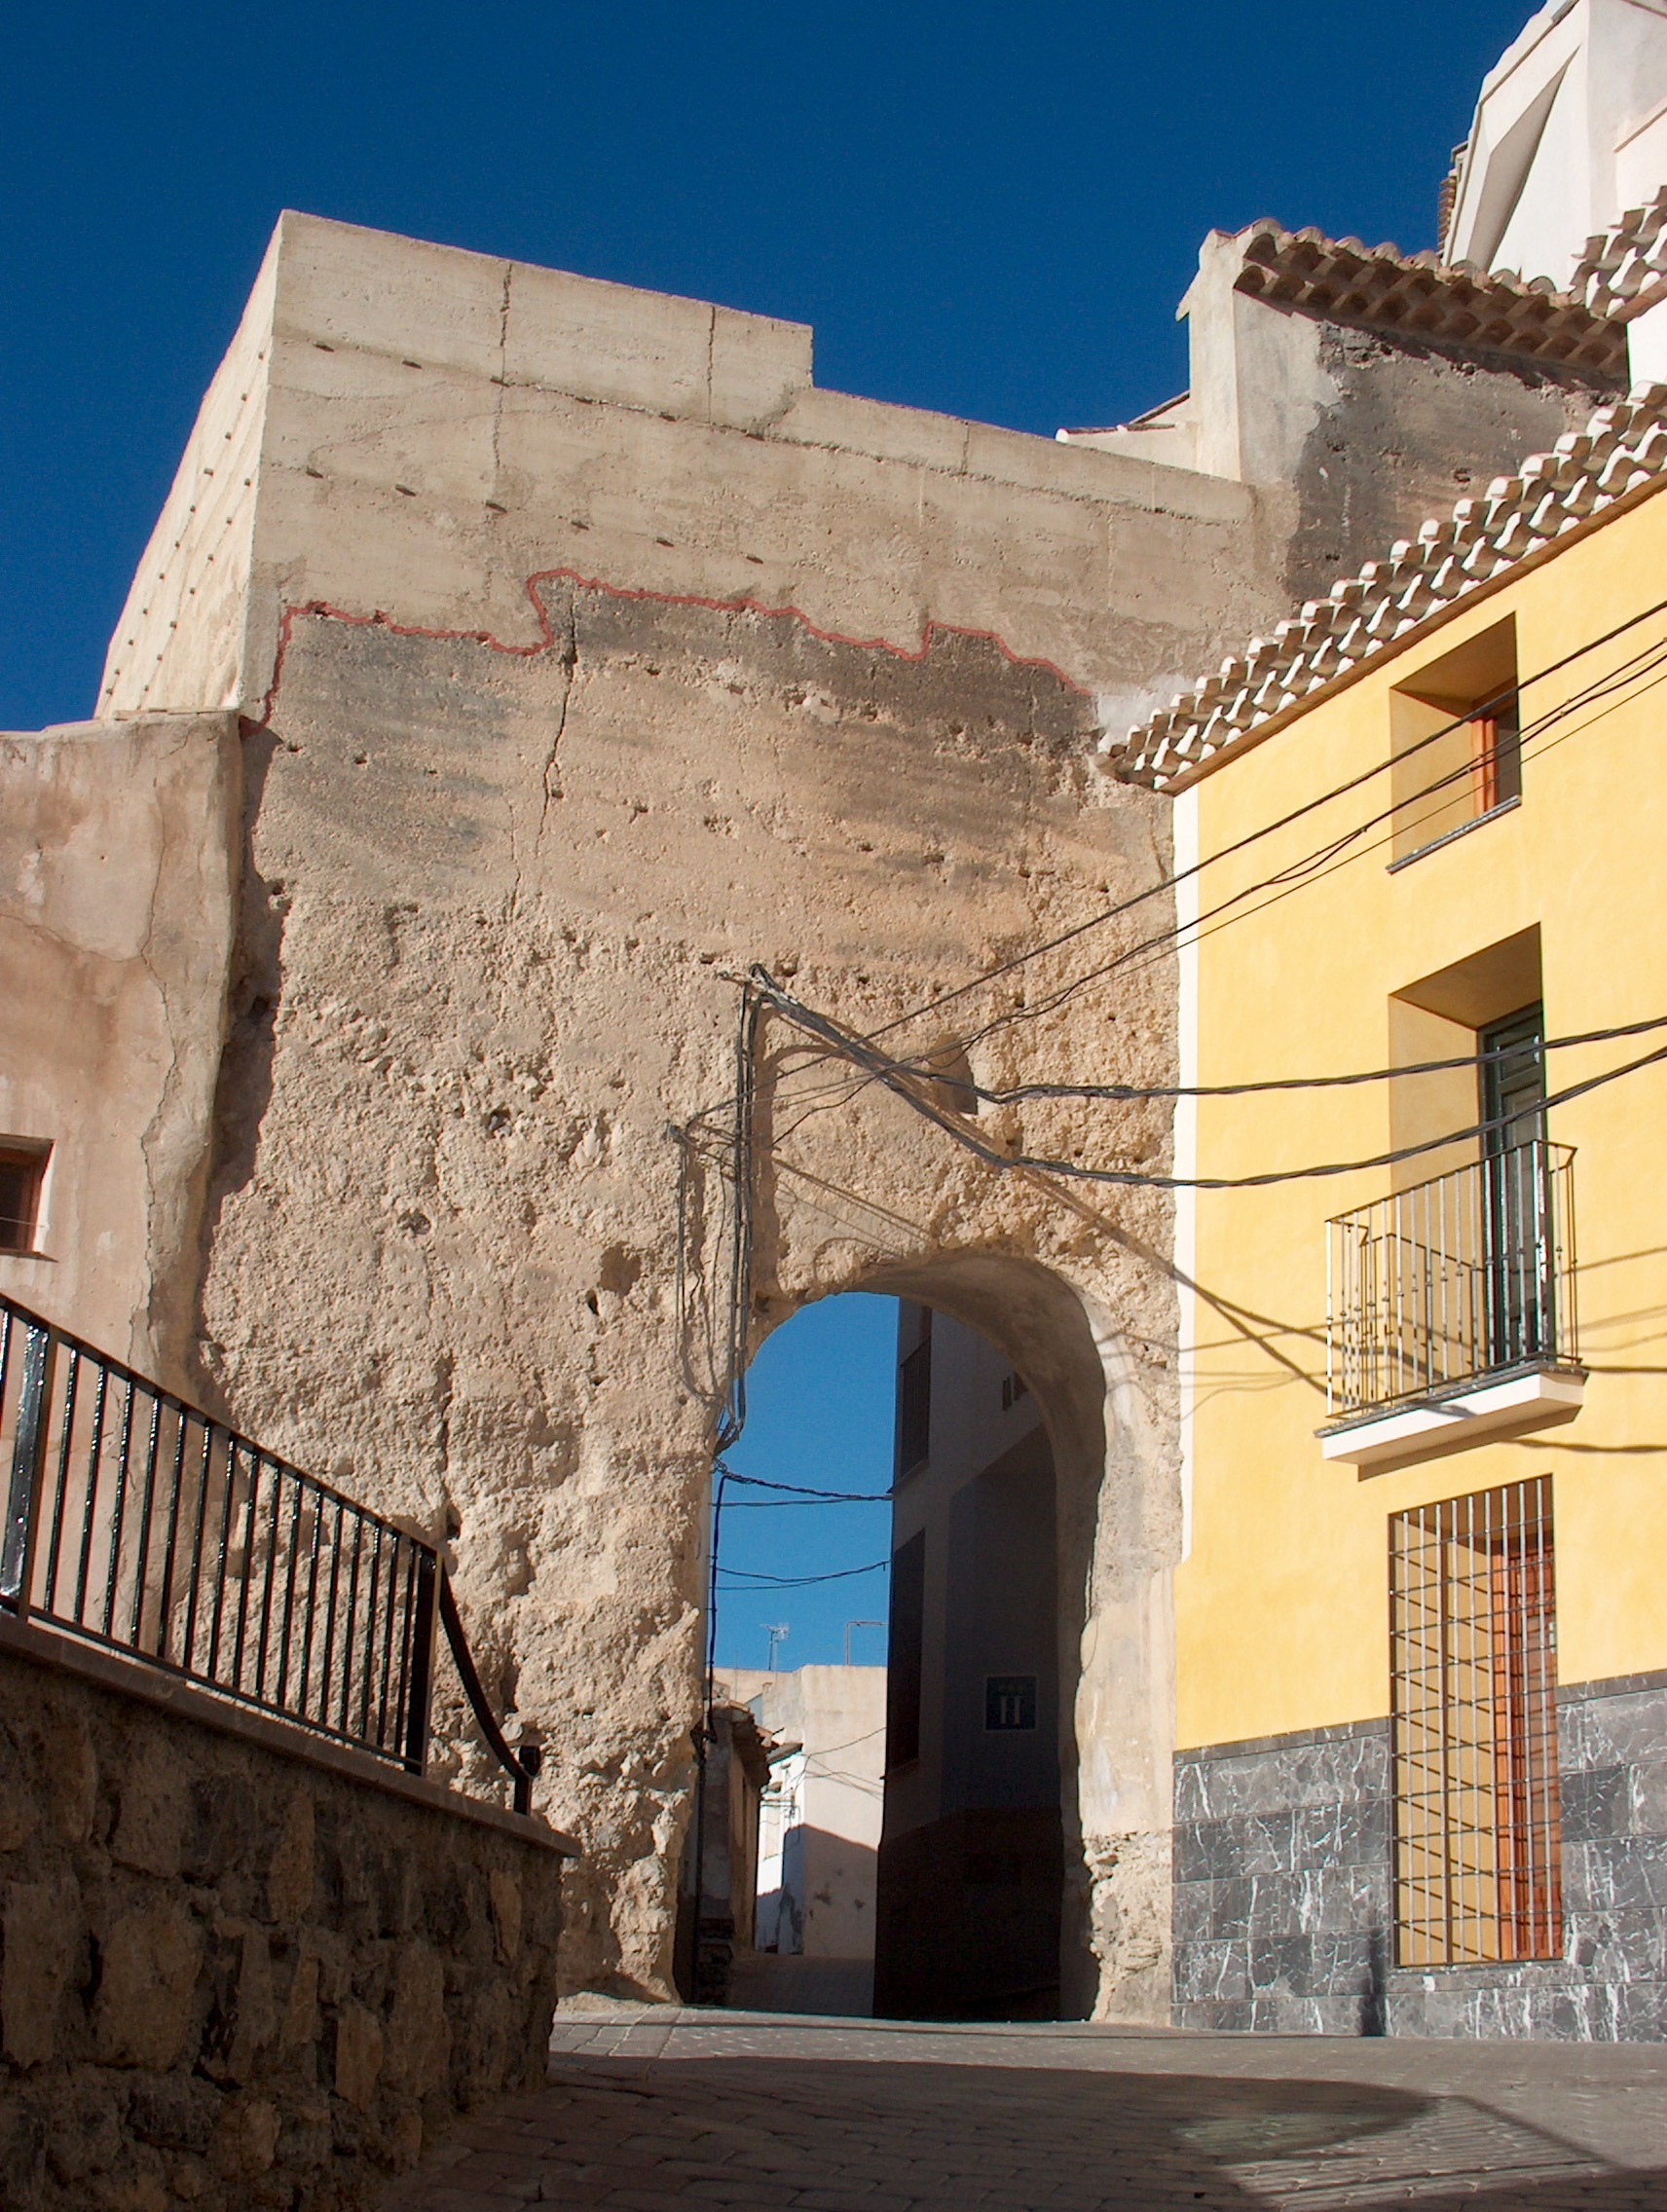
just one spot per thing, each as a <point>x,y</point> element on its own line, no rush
<point>1474,1660</point>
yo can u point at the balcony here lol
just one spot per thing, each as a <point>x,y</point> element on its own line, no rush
<point>1451,1316</point>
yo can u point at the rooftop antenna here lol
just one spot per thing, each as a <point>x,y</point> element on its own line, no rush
<point>777,1635</point>
<point>849,1626</point>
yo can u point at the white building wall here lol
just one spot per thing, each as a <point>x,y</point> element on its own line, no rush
<point>1564,137</point>
<point>819,1831</point>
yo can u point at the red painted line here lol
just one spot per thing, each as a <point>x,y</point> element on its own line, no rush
<point>322,610</point>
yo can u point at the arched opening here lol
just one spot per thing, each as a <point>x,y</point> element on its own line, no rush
<point>916,1848</point>
<point>971,1872</point>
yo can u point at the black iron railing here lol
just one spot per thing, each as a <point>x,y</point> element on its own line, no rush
<point>1457,1278</point>
<point>138,1523</point>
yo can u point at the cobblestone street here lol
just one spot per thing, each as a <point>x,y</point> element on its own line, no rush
<point>687,2109</point>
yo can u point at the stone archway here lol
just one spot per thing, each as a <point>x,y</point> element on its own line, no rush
<point>1117,1541</point>
<point>544,750</point>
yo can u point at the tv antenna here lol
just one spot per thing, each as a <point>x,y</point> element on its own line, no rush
<point>777,1634</point>
<point>849,1626</point>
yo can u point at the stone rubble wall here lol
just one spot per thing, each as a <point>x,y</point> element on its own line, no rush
<point>235,1977</point>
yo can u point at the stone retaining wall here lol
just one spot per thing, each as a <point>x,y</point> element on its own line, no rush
<point>235,1970</point>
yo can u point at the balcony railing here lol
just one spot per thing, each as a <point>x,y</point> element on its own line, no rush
<point>1466,1276</point>
<point>137,1522</point>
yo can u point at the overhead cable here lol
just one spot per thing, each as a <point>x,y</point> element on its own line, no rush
<point>1309,806</point>
<point>899,1077</point>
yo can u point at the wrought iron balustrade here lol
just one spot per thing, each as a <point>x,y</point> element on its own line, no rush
<point>1467,1275</point>
<point>138,1523</point>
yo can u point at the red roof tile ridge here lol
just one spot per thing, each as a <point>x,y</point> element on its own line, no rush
<point>1621,448</point>
<point>1381,287</point>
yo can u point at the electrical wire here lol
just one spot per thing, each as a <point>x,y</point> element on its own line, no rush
<point>1297,814</point>
<point>807,1504</point>
<point>898,1077</point>
<point>1308,868</point>
<point>803,1581</point>
<point>1311,866</point>
<point>1140,1093</point>
<point>798,1490</point>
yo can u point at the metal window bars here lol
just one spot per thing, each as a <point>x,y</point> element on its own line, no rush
<point>1456,1278</point>
<point>138,1523</point>
<point>1473,1667</point>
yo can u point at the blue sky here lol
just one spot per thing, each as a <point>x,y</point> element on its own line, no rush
<point>990,211</point>
<point>987,209</point>
<point>820,1398</point>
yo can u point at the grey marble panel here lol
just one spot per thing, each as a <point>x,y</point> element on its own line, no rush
<point>1614,1731</point>
<point>1212,1973</point>
<point>1648,1815</point>
<point>1355,1832</point>
<point>1251,1843</point>
<point>1284,1890</point>
<point>1596,1802</point>
<point>1329,1767</point>
<point>1334,1900</point>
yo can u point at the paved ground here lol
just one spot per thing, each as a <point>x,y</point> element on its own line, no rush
<point>688,2109</point>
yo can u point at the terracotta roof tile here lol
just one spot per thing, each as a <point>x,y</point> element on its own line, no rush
<point>1624,270</point>
<point>1623,447</point>
<point>1379,287</point>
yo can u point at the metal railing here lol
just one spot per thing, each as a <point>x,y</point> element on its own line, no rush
<point>1457,1278</point>
<point>140,1524</point>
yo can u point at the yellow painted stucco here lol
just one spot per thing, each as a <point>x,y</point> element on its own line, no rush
<point>1282,1612</point>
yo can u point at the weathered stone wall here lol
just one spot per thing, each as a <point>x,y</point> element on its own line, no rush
<point>119,868</point>
<point>493,911</point>
<point>231,1977</point>
<point>588,655</point>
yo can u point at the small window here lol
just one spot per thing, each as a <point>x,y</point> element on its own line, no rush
<point>904,1651</point>
<point>1456,741</point>
<point>23,1170</point>
<point>915,1400</point>
<point>1010,1702</point>
<point>1474,1638</point>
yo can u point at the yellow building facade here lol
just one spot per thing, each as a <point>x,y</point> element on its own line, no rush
<point>1422,1631</point>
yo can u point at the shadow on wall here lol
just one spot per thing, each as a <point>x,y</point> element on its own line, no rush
<point>826,1906</point>
<point>1102,1475</point>
<point>827,1989</point>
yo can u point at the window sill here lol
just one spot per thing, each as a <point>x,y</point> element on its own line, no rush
<point>1447,837</point>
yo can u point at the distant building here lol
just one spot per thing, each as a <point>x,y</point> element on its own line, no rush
<point>1561,178</point>
<point>1420,1776</point>
<point>720,1866</point>
<point>972,1859</point>
<point>819,1835</point>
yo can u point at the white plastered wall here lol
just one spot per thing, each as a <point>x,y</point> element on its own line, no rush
<point>1542,170</point>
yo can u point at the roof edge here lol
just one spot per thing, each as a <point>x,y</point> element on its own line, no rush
<point>1619,457</point>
